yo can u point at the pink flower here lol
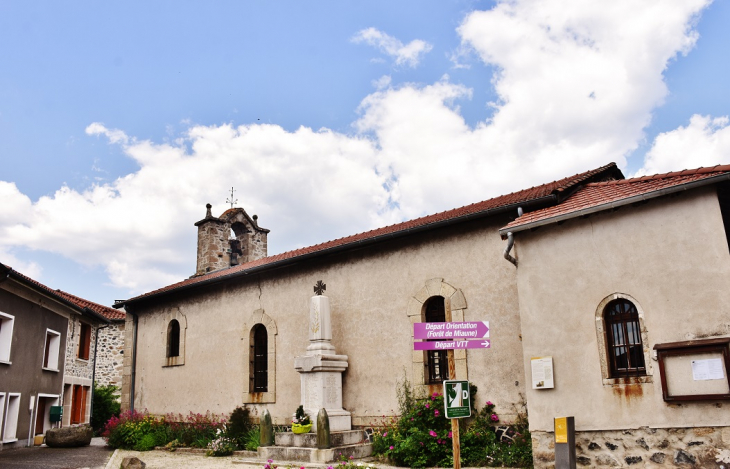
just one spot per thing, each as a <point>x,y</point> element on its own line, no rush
<point>391,447</point>
<point>385,434</point>
<point>432,433</point>
<point>436,412</point>
<point>489,403</point>
<point>449,434</point>
<point>428,405</point>
<point>494,418</point>
<point>421,443</point>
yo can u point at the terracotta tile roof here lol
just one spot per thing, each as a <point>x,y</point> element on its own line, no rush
<point>555,189</point>
<point>107,312</point>
<point>598,196</point>
<point>79,303</point>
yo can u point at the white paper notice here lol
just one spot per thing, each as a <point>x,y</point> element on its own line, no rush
<point>542,373</point>
<point>703,370</point>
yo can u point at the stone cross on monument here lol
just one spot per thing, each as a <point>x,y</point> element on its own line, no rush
<point>320,368</point>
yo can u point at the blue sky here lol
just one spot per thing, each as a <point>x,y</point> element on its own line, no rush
<point>120,120</point>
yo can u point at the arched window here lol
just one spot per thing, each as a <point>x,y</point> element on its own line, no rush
<point>437,366</point>
<point>173,339</point>
<point>259,360</point>
<point>623,339</point>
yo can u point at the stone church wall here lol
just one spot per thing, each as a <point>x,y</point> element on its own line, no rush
<point>375,295</point>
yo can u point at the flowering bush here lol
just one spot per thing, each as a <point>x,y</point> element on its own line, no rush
<point>196,430</point>
<point>130,431</point>
<point>422,437</point>
<point>221,446</point>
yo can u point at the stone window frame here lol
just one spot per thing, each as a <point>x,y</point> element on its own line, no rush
<point>269,397</point>
<point>183,323</point>
<point>603,342</point>
<point>416,313</point>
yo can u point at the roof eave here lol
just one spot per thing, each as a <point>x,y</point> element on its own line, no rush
<point>616,204</point>
<point>345,247</point>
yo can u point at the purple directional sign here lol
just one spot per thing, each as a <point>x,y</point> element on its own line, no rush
<point>451,345</point>
<point>451,330</point>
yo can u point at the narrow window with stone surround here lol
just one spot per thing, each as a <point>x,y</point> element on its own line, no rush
<point>173,339</point>
<point>259,335</point>
<point>173,334</point>
<point>259,359</point>
<point>622,341</point>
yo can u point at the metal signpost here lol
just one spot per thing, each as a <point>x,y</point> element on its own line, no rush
<point>452,336</point>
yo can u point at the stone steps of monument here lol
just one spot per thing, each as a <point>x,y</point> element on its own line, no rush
<point>314,455</point>
<point>309,440</point>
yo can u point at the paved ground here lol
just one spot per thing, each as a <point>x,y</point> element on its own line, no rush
<point>98,456</point>
<point>43,457</point>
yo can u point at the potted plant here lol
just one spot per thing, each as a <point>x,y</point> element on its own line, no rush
<point>301,422</point>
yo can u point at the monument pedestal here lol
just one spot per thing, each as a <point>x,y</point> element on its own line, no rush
<point>320,370</point>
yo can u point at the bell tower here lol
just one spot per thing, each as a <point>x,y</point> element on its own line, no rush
<point>233,238</point>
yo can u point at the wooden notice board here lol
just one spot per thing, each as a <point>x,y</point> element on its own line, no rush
<point>695,370</point>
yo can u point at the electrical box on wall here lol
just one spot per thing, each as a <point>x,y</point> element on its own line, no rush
<point>542,373</point>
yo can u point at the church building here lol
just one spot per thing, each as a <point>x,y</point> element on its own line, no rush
<point>613,292</point>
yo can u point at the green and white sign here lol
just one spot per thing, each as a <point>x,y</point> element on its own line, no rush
<point>457,401</point>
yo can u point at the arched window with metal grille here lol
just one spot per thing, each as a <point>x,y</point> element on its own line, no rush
<point>437,366</point>
<point>259,378</point>
<point>623,339</point>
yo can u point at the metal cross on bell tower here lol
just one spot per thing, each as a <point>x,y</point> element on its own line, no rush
<point>231,201</point>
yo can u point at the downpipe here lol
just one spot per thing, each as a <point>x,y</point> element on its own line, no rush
<point>510,244</point>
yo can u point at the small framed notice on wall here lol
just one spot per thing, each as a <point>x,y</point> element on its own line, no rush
<point>542,373</point>
<point>695,370</point>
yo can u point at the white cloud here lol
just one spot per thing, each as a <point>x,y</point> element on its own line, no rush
<point>382,82</point>
<point>114,136</point>
<point>704,142</point>
<point>409,54</point>
<point>577,82</point>
<point>140,227</point>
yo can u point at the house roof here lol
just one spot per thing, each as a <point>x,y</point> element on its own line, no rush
<point>109,313</point>
<point>549,193</point>
<point>79,304</point>
<point>599,196</point>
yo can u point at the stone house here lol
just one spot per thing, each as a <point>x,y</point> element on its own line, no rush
<point>47,351</point>
<point>109,351</point>
<point>626,286</point>
<point>611,281</point>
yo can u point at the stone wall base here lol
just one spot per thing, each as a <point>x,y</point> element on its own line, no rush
<point>641,447</point>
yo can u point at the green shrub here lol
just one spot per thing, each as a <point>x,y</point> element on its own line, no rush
<point>196,430</point>
<point>128,430</point>
<point>421,435</point>
<point>105,406</point>
<point>146,443</point>
<point>239,426</point>
<point>253,439</point>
